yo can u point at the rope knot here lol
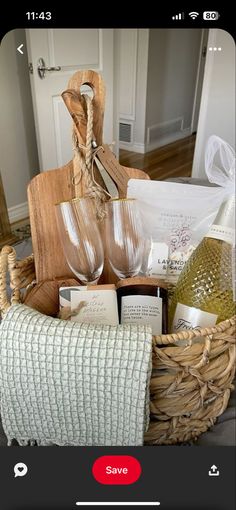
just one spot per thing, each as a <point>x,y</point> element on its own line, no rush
<point>84,162</point>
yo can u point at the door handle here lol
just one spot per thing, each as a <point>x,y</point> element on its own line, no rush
<point>42,68</point>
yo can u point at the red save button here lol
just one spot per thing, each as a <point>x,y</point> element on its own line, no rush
<point>116,470</point>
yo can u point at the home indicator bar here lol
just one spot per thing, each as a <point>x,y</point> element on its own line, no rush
<point>118,503</point>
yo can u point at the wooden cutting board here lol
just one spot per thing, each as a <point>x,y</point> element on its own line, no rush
<point>54,186</point>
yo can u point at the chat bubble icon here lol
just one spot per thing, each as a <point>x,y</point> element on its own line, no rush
<point>20,469</point>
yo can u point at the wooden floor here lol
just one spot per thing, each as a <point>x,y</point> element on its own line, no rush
<point>173,160</point>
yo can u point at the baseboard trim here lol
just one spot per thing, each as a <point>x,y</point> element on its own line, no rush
<point>18,212</point>
<point>133,147</point>
<point>142,148</point>
<point>173,137</point>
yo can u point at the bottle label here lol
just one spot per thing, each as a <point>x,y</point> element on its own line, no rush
<point>188,317</point>
<point>142,310</point>
<point>223,233</point>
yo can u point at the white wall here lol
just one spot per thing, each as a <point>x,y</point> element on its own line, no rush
<point>217,111</point>
<point>18,151</point>
<point>133,60</point>
<point>141,88</point>
<point>116,97</point>
<point>158,71</point>
<point>172,71</point>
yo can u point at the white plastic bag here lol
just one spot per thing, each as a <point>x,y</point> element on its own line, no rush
<point>223,175</point>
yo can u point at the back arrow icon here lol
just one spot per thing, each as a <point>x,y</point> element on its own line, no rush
<point>20,50</point>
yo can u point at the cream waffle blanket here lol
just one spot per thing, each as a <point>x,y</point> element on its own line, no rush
<point>67,383</point>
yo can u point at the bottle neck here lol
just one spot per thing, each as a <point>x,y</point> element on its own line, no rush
<point>223,227</point>
<point>226,214</point>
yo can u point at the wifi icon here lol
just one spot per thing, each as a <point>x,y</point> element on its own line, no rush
<point>193,15</point>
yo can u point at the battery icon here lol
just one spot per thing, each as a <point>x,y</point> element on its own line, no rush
<point>211,15</point>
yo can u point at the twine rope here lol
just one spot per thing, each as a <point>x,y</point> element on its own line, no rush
<point>66,313</point>
<point>84,161</point>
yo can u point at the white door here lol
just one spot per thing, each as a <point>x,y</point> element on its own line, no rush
<point>199,80</point>
<point>217,110</point>
<point>70,50</point>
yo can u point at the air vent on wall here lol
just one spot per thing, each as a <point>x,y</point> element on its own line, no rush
<point>125,132</point>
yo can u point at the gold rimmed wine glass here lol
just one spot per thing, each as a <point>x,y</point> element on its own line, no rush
<point>125,237</point>
<point>80,238</point>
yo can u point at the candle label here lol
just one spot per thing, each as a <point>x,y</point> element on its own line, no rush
<point>142,310</point>
<point>95,307</point>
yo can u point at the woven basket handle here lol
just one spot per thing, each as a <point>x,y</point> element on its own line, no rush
<point>189,335</point>
<point>21,273</point>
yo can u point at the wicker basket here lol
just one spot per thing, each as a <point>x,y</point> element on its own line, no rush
<point>190,386</point>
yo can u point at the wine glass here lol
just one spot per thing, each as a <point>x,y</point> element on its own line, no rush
<point>81,239</point>
<point>146,266</point>
<point>125,237</point>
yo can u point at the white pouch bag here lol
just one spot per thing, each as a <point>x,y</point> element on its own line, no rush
<point>177,216</point>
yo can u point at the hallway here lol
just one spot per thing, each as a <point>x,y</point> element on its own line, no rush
<point>173,160</point>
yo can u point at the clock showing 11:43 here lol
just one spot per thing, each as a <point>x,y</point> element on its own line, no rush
<point>39,15</point>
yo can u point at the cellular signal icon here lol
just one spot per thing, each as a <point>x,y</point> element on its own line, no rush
<point>178,16</point>
<point>193,15</point>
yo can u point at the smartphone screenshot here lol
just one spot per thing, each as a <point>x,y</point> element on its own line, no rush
<point>117,260</point>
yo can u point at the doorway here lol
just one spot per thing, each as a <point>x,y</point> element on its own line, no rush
<point>127,66</point>
<point>160,90</point>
